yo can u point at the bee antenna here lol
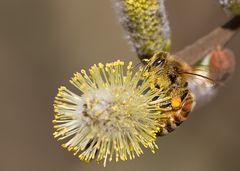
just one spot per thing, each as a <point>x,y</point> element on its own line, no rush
<point>199,75</point>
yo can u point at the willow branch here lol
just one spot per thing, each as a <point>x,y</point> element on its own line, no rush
<point>218,37</point>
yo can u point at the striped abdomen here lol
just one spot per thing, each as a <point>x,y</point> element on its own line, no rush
<point>174,117</point>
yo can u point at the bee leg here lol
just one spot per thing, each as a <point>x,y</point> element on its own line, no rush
<point>155,100</point>
<point>187,106</point>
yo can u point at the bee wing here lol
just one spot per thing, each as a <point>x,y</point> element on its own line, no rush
<point>203,90</point>
<point>211,73</point>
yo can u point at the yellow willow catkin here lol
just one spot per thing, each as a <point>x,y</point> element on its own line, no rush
<point>231,5</point>
<point>146,24</point>
<point>110,116</point>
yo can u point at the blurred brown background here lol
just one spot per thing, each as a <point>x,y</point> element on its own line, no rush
<point>43,42</point>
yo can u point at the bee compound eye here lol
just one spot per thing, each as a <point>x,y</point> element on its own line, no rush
<point>158,62</point>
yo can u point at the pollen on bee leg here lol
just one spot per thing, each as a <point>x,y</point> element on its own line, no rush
<point>176,102</point>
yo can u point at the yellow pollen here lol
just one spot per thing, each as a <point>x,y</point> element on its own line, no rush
<point>101,65</point>
<point>98,113</point>
<point>176,102</point>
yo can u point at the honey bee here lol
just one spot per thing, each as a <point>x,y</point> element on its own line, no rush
<point>171,76</point>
